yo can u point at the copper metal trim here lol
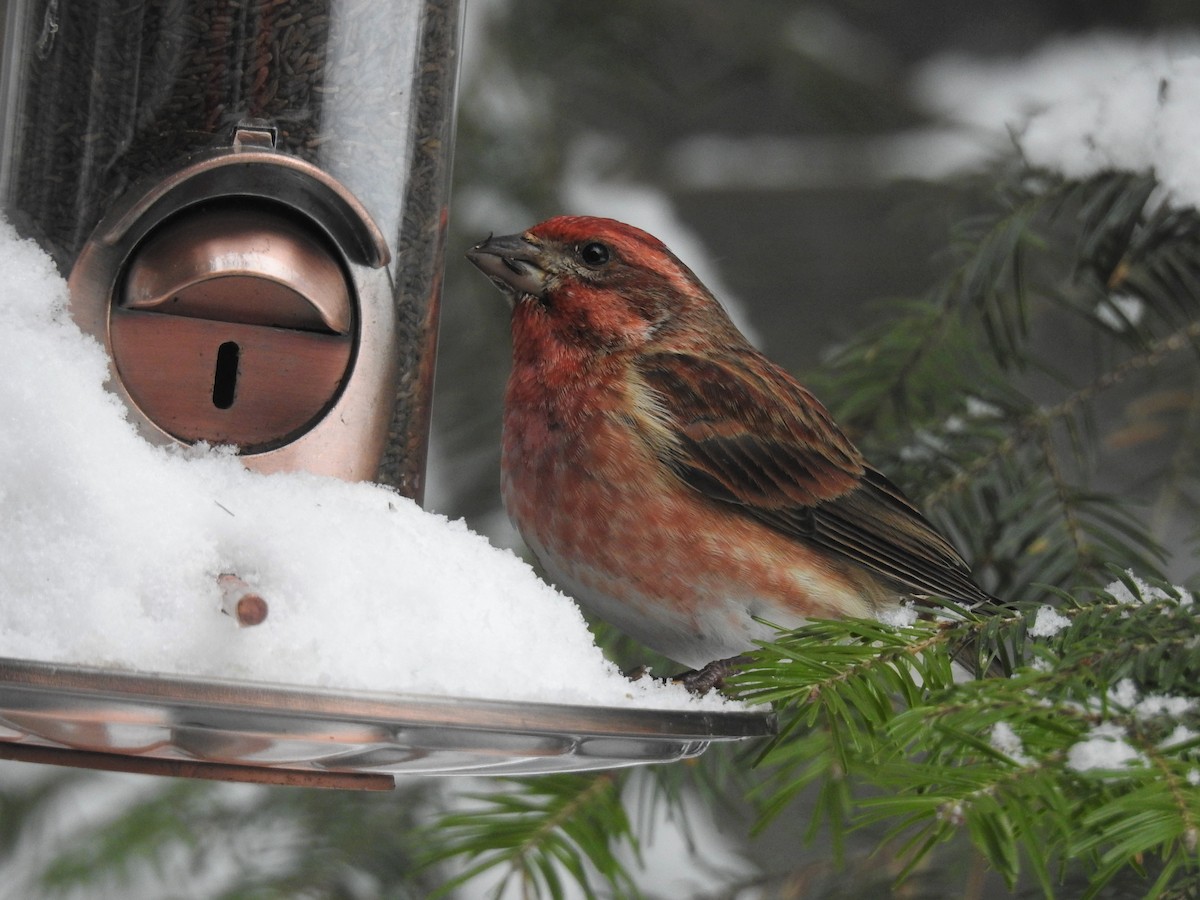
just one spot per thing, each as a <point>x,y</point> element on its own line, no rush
<point>267,270</point>
<point>348,436</point>
<point>130,210</point>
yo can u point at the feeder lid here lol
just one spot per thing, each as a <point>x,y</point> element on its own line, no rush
<point>235,731</point>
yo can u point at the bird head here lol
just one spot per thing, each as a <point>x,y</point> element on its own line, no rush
<point>596,283</point>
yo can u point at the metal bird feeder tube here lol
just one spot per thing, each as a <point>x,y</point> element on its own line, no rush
<point>249,201</point>
<point>133,130</point>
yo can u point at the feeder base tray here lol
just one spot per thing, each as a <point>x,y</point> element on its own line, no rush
<point>308,737</point>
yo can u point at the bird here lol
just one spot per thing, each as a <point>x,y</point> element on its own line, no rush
<point>669,476</point>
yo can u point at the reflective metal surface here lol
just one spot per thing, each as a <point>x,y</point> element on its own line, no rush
<point>206,728</point>
<point>245,263</point>
<point>163,286</point>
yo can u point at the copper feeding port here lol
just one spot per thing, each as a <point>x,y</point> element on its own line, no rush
<point>234,323</point>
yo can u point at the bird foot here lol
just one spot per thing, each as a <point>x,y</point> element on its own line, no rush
<point>711,676</point>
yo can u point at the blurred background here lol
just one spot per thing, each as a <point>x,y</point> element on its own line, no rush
<point>806,159</point>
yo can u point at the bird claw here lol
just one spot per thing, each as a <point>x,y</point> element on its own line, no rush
<point>697,681</point>
<point>711,676</point>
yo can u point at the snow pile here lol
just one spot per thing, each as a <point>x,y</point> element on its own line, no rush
<point>1126,695</point>
<point>113,547</point>
<point>994,94</point>
<point>1083,105</point>
<point>1048,622</point>
<point>1146,593</point>
<point>1145,118</point>
<point>1104,748</point>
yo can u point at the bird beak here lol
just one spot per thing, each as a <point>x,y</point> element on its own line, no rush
<point>511,262</point>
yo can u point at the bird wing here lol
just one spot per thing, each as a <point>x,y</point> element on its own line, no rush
<point>744,432</point>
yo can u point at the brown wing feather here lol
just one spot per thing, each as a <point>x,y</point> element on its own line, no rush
<point>746,433</point>
<point>737,427</point>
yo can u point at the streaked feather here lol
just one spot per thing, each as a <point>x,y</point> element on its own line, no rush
<point>747,434</point>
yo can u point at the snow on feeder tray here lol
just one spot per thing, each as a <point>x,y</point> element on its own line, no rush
<point>250,202</point>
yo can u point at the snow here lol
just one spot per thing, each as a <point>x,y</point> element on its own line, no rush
<point>1006,741</point>
<point>1180,735</point>
<point>991,94</point>
<point>977,408</point>
<point>1077,105</point>
<point>1146,593</point>
<point>1082,105</point>
<point>1124,693</point>
<point>1048,622</point>
<point>901,616</point>
<point>690,829</point>
<point>1104,748</point>
<point>1119,312</point>
<point>113,547</point>
<point>1145,117</point>
<point>1163,705</point>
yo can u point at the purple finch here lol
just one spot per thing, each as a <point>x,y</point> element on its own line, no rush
<point>668,475</point>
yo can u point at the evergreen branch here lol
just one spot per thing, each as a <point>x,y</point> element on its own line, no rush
<point>537,827</point>
<point>1063,492</point>
<point>1183,463</point>
<point>1039,421</point>
<point>993,267</point>
<point>1016,488</point>
<point>1004,760</point>
<point>131,840</point>
<point>922,351</point>
<point>834,683</point>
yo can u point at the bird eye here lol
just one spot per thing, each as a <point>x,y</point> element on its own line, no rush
<point>594,254</point>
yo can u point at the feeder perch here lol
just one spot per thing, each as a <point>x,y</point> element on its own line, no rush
<point>250,203</point>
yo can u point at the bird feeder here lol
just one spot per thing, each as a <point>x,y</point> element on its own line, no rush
<point>249,201</point>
